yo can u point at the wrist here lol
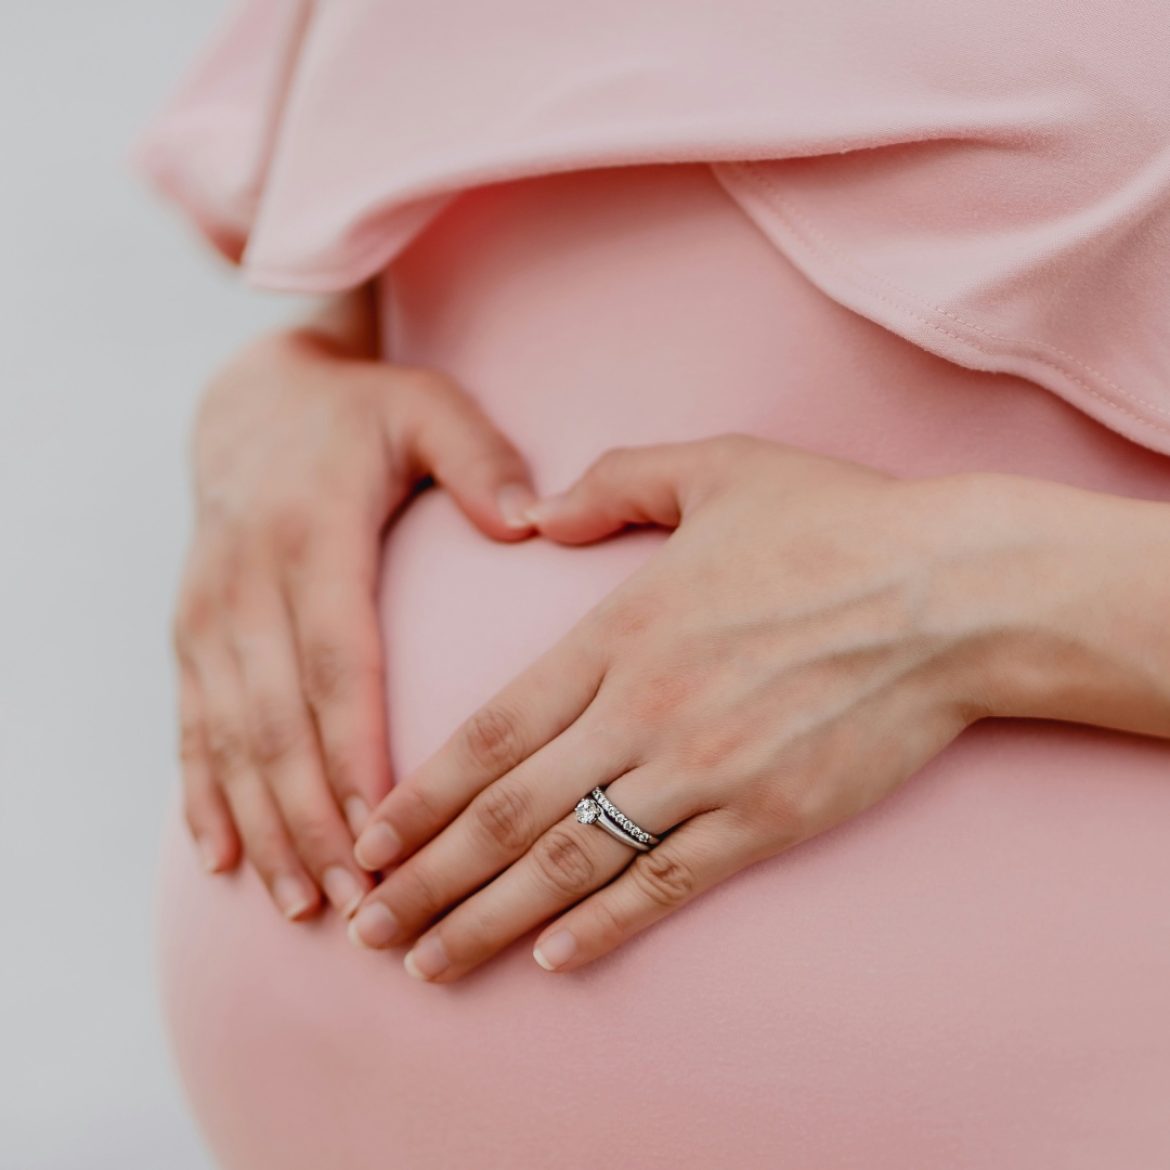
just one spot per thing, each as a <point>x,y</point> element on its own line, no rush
<point>347,324</point>
<point>1056,598</point>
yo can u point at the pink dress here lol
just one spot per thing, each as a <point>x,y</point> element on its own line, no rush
<point>973,974</point>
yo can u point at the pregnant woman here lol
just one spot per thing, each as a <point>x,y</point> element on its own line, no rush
<point>752,749</point>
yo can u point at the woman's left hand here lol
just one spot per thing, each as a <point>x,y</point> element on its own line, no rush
<point>812,633</point>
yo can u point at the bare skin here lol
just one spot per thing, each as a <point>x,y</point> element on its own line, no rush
<point>305,446</point>
<point>810,635</point>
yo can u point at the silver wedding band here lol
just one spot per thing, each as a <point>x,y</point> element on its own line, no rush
<point>597,809</point>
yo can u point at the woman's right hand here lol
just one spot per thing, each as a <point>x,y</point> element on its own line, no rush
<point>302,453</point>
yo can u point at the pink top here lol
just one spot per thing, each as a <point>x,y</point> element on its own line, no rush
<point>991,181</point>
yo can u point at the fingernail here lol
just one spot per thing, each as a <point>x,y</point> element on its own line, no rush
<point>512,500</point>
<point>556,950</point>
<point>342,889</point>
<point>541,510</point>
<point>377,846</point>
<point>428,959</point>
<point>211,853</point>
<point>373,926</point>
<point>357,812</point>
<point>292,896</point>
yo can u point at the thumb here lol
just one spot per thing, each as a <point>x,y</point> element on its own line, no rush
<point>627,485</point>
<point>450,438</point>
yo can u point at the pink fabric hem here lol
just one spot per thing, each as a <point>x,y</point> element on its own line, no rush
<point>934,327</point>
<point>996,190</point>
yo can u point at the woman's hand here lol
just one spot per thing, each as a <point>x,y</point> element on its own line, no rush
<point>812,634</point>
<point>302,452</point>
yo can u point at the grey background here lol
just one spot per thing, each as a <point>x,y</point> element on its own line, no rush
<point>111,316</point>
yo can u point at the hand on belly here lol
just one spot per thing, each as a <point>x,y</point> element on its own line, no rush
<point>302,454</point>
<point>812,633</point>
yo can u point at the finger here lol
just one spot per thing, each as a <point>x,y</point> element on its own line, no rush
<point>453,440</point>
<point>704,851</point>
<point>283,743</point>
<point>529,712</point>
<point>205,809</point>
<point>569,862</point>
<point>492,832</point>
<point>257,820</point>
<point>631,485</point>
<point>329,595</point>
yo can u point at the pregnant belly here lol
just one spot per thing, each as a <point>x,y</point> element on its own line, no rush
<point>972,974</point>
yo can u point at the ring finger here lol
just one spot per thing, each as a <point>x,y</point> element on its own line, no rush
<point>565,864</point>
<point>491,833</point>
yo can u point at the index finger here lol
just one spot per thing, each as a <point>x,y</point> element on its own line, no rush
<point>534,708</point>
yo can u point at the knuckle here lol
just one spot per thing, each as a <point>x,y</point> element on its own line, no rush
<point>330,672</point>
<point>563,862</point>
<point>311,829</point>
<point>415,808</point>
<point>504,815</point>
<point>236,589</point>
<point>227,751</point>
<point>342,770</point>
<point>190,746</point>
<point>608,927</point>
<point>418,890</point>
<point>265,847</point>
<point>277,732</point>
<point>290,528</point>
<point>780,812</point>
<point>475,933</point>
<point>492,739</point>
<point>663,878</point>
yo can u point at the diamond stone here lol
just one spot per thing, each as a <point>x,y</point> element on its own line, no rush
<point>587,811</point>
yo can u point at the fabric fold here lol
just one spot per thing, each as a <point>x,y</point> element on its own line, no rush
<point>990,181</point>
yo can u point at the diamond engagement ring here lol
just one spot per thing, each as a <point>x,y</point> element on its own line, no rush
<point>598,809</point>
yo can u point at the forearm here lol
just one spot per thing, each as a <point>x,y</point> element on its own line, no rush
<point>1067,602</point>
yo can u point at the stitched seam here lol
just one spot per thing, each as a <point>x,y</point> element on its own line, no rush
<point>863,279</point>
